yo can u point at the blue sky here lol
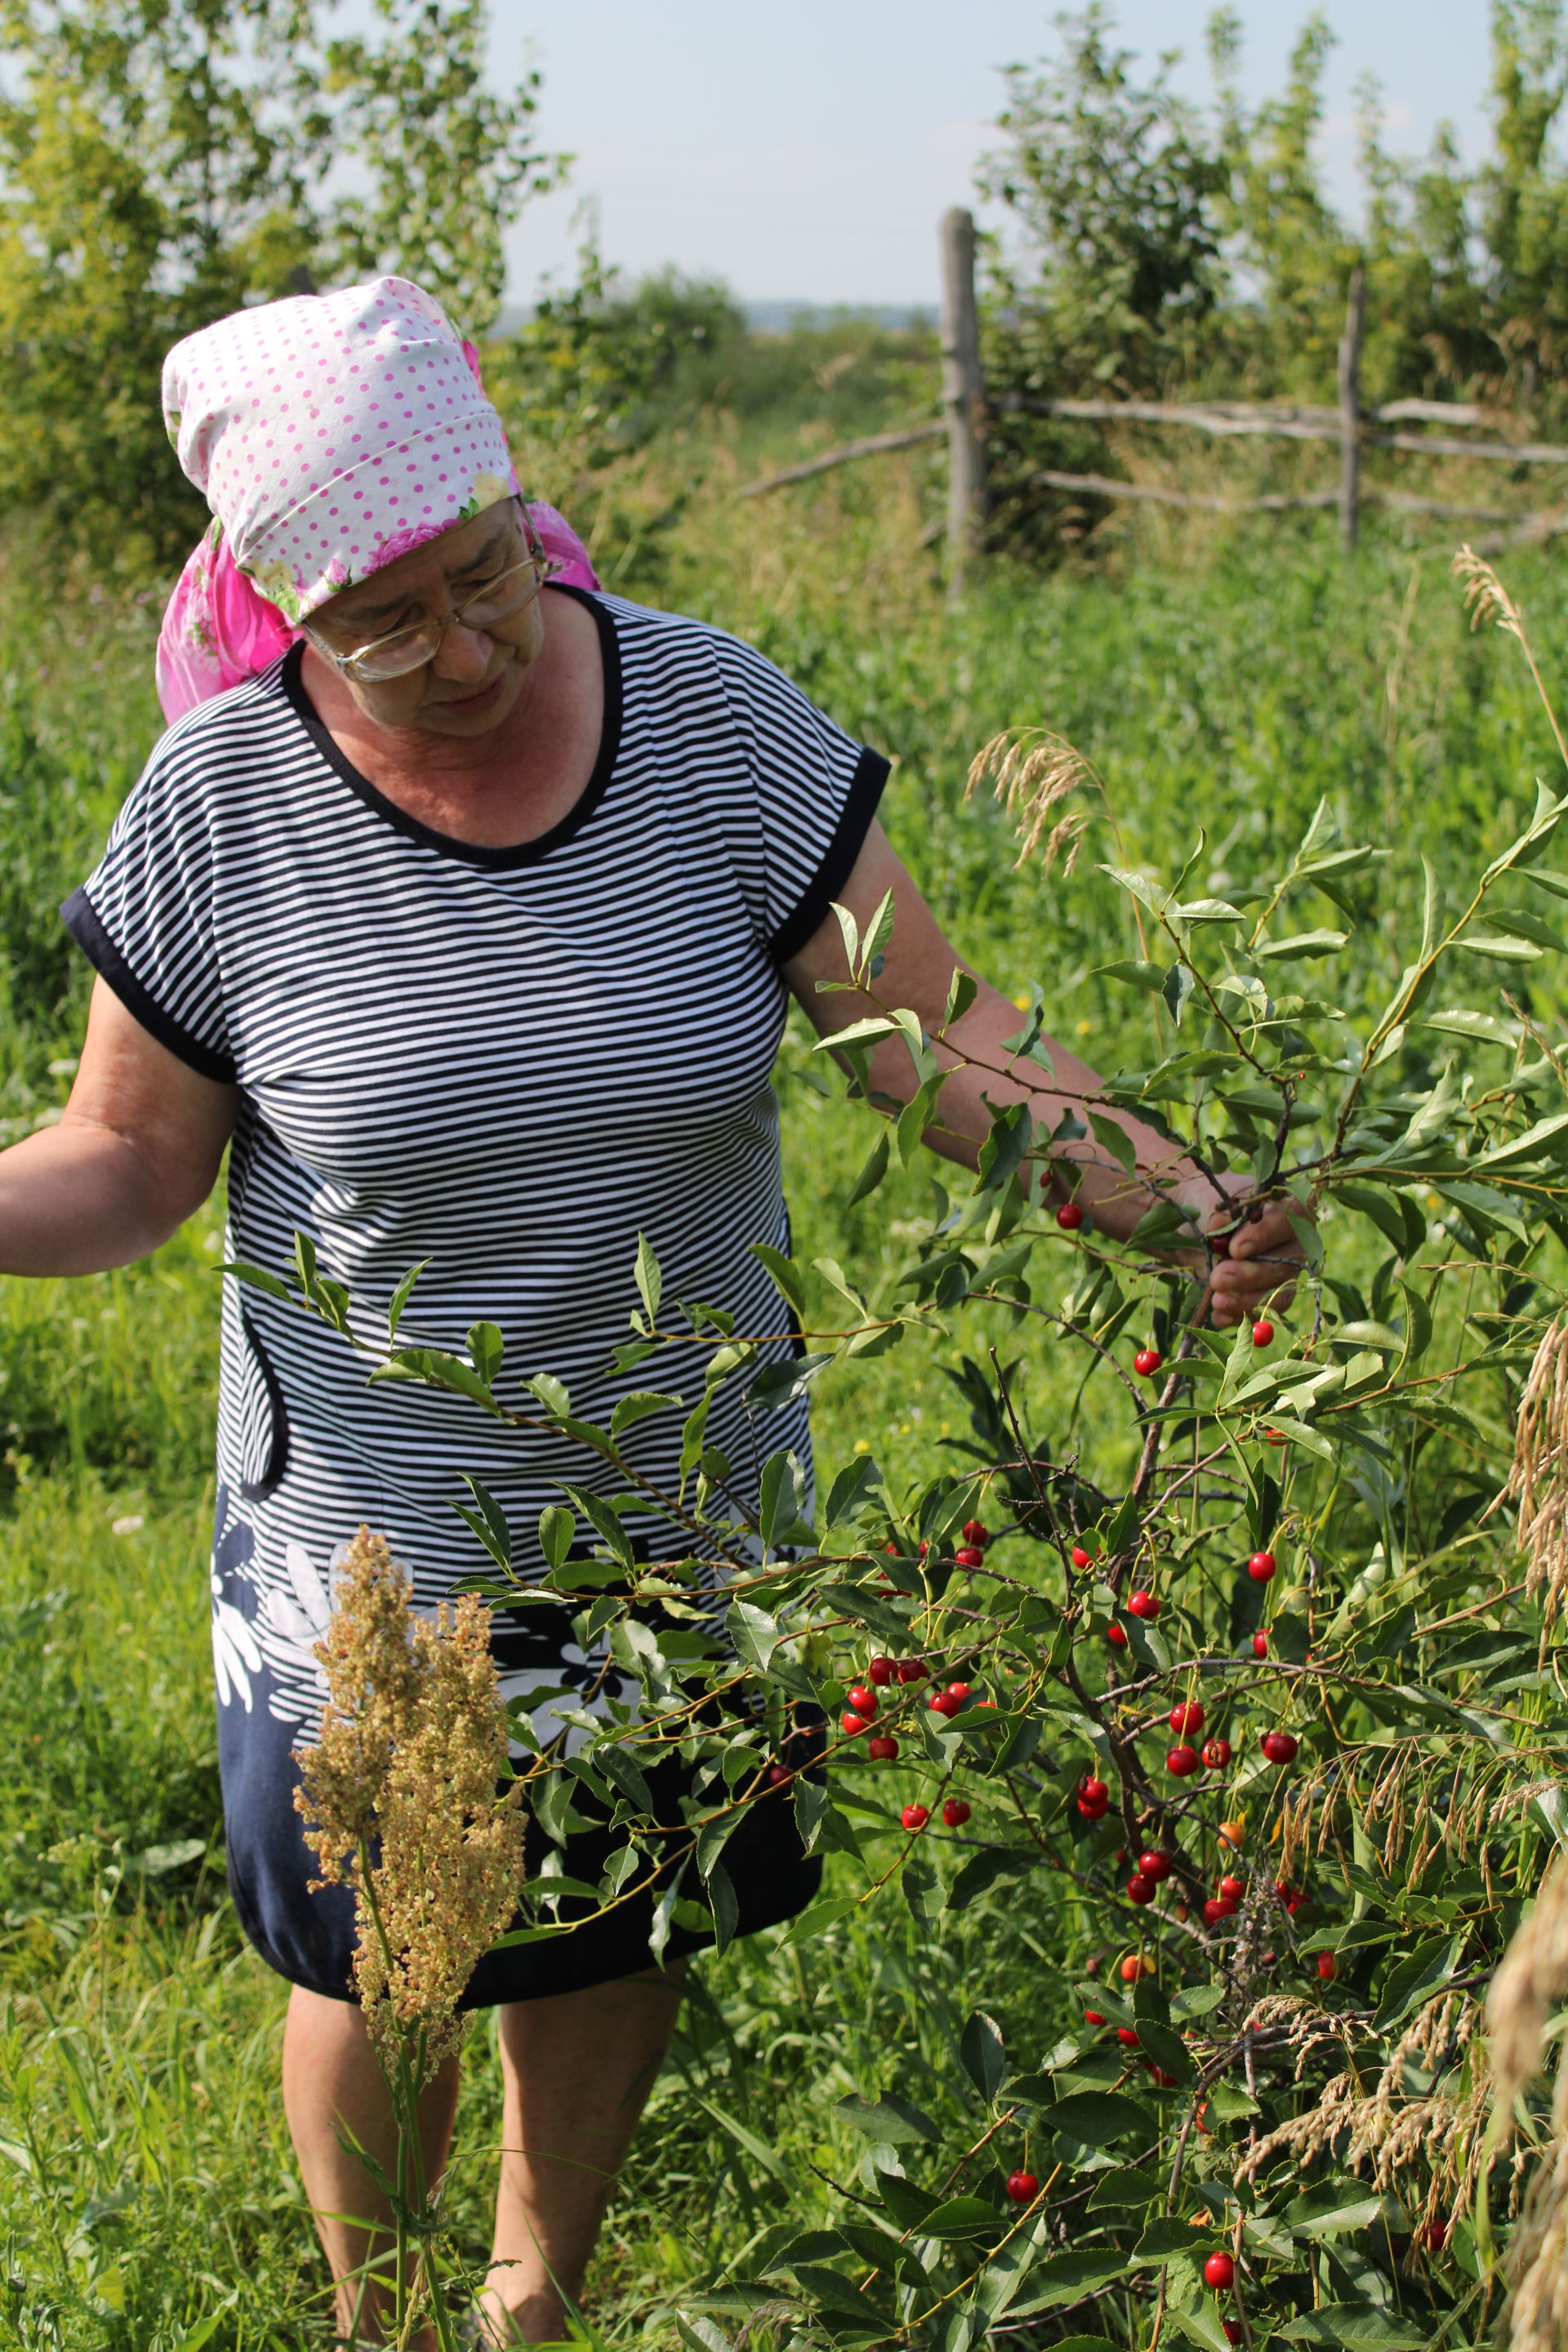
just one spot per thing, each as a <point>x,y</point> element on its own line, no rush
<point>806,152</point>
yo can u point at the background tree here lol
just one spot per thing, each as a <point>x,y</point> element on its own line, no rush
<point>163,160</point>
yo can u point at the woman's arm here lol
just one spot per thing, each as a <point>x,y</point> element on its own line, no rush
<point>918,974</point>
<point>136,1150</point>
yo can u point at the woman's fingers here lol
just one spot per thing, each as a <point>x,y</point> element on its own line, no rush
<point>1258,1268</point>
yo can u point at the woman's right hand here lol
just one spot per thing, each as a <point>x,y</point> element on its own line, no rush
<point>136,1151</point>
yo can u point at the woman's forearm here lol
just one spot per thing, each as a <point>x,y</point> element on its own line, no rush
<point>77,1198</point>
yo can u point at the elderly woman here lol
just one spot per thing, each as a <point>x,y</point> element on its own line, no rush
<point>466,918</point>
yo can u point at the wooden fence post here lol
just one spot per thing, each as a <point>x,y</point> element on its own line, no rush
<point>962,396</point>
<point>1350,413</point>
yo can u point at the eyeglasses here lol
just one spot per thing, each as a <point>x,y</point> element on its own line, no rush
<point>500,599</point>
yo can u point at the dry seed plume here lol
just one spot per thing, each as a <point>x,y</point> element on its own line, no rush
<point>1532,1978</point>
<point>1538,1481</point>
<point>1032,772</point>
<point>1486,598</point>
<point>401,1800</point>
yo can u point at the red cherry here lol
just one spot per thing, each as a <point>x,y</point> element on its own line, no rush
<point>1182,1760</point>
<point>911,1670</point>
<point>1022,2187</point>
<point>1126,2033</point>
<point>883,1749</point>
<point>1134,1966</point>
<point>1165,2082</point>
<point>1091,1813</point>
<point>1328,1966</point>
<point>1117,1636</point>
<point>1260,1643</point>
<point>863,1701</point>
<point>1070,1216</point>
<point>1186,1715</point>
<point>956,1812</point>
<point>880,1672</point>
<point>1234,1887</point>
<point>1092,2017</point>
<point>1261,1567</point>
<point>1216,1754</point>
<point>958,1691</point>
<point>969,1556</point>
<point>1279,1747</point>
<point>1094,1791</point>
<point>1143,1605</point>
<point>915,1817</point>
<point>1283,1890</point>
<point>778,1774</point>
<point>1262,1332</point>
<point>1154,1866</point>
<point>943,1703</point>
<point>1212,1911</point>
<point>975,1531</point>
<point>1233,2330</point>
<point>1433,2236</point>
<point>854,1725</point>
<point>1140,1889</point>
<point>1080,1557</point>
<point>1220,2271</point>
<point>892,1547</point>
<point>1147,1362</point>
<point>1294,1904</point>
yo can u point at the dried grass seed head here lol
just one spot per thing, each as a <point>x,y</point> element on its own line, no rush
<point>406,1797</point>
<point>1486,598</point>
<point>1530,1979</point>
<point>1032,772</point>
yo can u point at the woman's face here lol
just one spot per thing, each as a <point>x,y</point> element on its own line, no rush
<point>474,680</point>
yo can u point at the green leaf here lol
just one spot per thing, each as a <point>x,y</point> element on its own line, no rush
<point>1068,2278</point>
<point>551,1393</point>
<point>1554,884</point>
<point>1529,1145</point>
<point>638,1405</point>
<point>816,1919</point>
<point>557,1533</point>
<point>893,2120</point>
<point>649,1280</point>
<point>700,2335</point>
<point>400,1297</point>
<point>1094,2118</point>
<point>962,990</point>
<point>984,1869</point>
<point>1417,1975</point>
<point>486,1346</point>
<point>1497,944</point>
<point>1166,2240</point>
<point>1520,925</point>
<point>1300,945</point>
<point>782,1498</point>
<point>1314,2217</point>
<point>1165,1227</point>
<point>1357,2327</point>
<point>962,2217</point>
<point>917,1116</point>
<point>1485,1028</point>
<point>1125,2187</point>
<point>604,1519</point>
<point>1113,1137</point>
<point>259,1279</point>
<point>858,1033</point>
<point>982,2055</point>
<point>488,1522</point>
<point>754,1634</point>
<point>1151,976</point>
<point>787,1277</point>
<point>874,1170</point>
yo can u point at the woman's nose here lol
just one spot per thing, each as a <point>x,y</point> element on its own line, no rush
<point>463,654</point>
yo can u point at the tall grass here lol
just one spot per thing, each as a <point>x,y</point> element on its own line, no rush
<point>1227,683</point>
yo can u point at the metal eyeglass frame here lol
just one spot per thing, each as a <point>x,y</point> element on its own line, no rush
<point>544,567</point>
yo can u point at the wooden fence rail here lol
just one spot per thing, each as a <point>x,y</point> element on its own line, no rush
<point>968,410</point>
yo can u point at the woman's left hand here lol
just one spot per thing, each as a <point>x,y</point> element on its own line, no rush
<point>1263,1257</point>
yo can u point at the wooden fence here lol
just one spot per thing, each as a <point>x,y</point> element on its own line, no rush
<point>967,412</point>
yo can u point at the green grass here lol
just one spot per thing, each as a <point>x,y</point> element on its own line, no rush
<point>1221,683</point>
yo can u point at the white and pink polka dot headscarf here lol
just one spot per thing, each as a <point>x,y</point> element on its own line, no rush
<point>331,432</point>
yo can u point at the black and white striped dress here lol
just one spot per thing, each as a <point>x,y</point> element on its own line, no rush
<point>509,1062</point>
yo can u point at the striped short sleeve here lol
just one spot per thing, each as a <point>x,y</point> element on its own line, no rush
<point>817,792</point>
<point>144,917</point>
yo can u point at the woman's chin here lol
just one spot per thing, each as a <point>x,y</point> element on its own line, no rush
<point>470,714</point>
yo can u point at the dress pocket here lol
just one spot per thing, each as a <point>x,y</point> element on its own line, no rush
<point>264,1419</point>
